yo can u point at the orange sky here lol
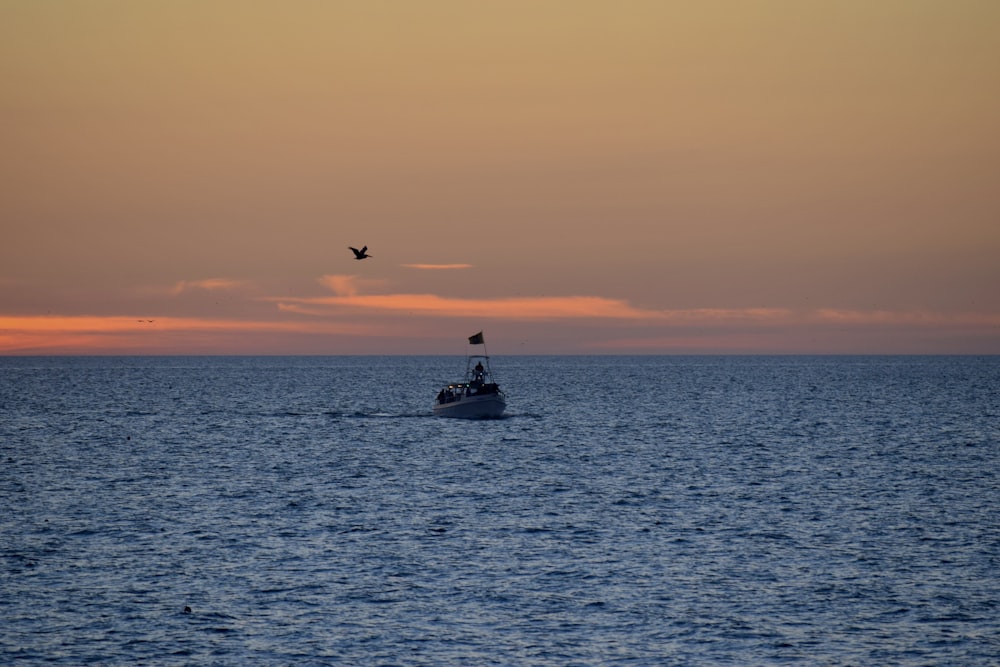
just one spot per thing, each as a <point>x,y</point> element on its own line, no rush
<point>586,177</point>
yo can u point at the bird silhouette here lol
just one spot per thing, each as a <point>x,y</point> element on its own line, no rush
<point>360,254</point>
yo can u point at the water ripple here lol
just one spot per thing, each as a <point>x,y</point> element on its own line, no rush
<point>679,511</point>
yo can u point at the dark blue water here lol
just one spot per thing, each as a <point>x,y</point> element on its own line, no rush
<point>629,510</point>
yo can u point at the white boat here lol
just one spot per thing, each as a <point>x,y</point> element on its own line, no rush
<point>477,396</point>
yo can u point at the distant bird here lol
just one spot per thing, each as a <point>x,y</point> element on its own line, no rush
<point>360,254</point>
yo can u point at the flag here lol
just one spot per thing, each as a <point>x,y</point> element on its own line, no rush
<point>477,339</point>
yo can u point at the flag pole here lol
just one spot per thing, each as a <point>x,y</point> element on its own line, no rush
<point>479,339</point>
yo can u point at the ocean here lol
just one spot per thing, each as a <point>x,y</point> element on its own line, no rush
<point>628,510</point>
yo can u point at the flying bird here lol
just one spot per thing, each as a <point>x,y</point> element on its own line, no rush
<point>360,254</point>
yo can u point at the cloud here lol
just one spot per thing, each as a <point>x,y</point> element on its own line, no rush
<point>346,285</point>
<point>88,333</point>
<point>514,308</point>
<point>505,308</point>
<point>825,330</point>
<point>97,324</point>
<point>905,318</point>
<point>762,329</point>
<point>594,323</point>
<point>709,315</point>
<point>341,285</point>
<point>524,308</point>
<point>209,284</point>
<point>438,267</point>
<point>300,309</point>
<point>347,295</point>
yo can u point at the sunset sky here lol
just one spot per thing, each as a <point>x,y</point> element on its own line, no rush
<point>769,176</point>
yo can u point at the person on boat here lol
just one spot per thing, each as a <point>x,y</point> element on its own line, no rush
<point>479,371</point>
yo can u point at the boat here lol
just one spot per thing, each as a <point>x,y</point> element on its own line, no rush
<point>477,396</point>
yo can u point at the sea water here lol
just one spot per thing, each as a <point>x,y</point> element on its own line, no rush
<point>627,510</point>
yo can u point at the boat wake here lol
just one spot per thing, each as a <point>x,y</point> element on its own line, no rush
<point>364,414</point>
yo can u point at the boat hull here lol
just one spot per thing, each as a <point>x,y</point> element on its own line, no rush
<point>472,407</point>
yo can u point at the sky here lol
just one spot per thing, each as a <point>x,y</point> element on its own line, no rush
<point>587,177</point>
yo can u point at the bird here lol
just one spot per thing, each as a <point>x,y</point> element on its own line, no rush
<point>360,254</point>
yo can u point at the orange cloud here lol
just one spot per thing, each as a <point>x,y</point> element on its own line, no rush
<point>913,318</point>
<point>302,310</point>
<point>207,284</point>
<point>347,285</point>
<point>509,308</point>
<point>829,331</point>
<point>347,294</point>
<point>515,308</point>
<point>51,334</point>
<point>595,307</point>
